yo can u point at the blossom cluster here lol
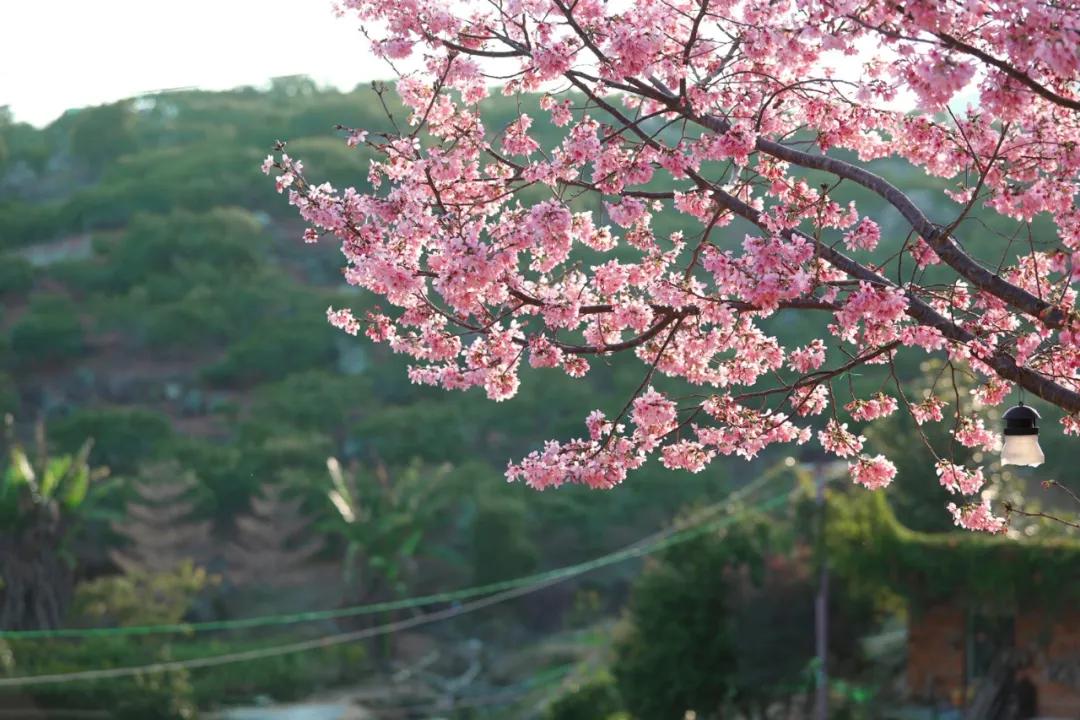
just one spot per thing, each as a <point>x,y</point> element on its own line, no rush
<point>485,263</point>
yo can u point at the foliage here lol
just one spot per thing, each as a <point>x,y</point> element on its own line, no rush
<point>596,699</point>
<point>43,498</point>
<point>665,668</point>
<point>181,245</point>
<point>502,547</point>
<point>123,437</point>
<point>317,400</point>
<point>16,276</point>
<point>874,552</point>
<point>158,696</point>
<point>141,597</point>
<point>100,134</point>
<point>165,694</point>
<point>158,526</point>
<point>49,332</point>
<point>9,395</point>
<point>273,351</point>
<point>383,520</point>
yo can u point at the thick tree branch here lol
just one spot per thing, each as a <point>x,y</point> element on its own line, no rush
<point>946,248</point>
<point>1020,76</point>
<point>1002,363</point>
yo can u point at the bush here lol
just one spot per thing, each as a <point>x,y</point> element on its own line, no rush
<point>80,276</point>
<point>151,696</point>
<point>9,395</point>
<point>434,431</point>
<point>222,244</point>
<point>185,325</point>
<point>276,349</point>
<point>598,699</point>
<point>49,332</point>
<point>141,598</point>
<point>681,648</point>
<point>122,438</point>
<point>501,544</point>
<point>168,695</point>
<point>23,224</point>
<point>16,275</point>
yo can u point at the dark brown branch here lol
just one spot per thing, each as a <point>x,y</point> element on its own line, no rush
<point>946,248</point>
<point>1002,363</point>
<point>1011,509</point>
<point>1019,75</point>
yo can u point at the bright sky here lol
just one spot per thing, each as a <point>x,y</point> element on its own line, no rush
<point>59,54</point>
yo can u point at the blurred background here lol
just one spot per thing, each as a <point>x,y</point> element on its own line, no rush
<point>201,472</point>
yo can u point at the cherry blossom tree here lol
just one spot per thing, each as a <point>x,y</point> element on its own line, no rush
<point>717,110</point>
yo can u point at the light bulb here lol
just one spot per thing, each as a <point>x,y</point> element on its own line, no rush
<point>1022,450</point>
<point>1021,433</point>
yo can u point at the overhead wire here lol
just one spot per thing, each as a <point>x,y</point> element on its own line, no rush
<point>695,527</point>
<point>188,628</point>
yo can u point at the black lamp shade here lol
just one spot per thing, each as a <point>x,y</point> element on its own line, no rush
<point>1021,420</point>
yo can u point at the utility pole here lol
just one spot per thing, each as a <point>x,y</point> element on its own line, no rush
<point>821,602</point>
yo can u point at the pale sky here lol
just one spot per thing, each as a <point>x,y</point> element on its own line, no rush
<point>60,54</point>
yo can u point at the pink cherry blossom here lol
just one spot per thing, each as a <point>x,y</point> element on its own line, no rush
<point>958,479</point>
<point>929,410</point>
<point>836,439</point>
<point>978,517</point>
<point>486,252</point>
<point>873,473</point>
<point>874,407</point>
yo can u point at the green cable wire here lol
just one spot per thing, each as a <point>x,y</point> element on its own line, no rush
<point>636,550</point>
<point>642,548</point>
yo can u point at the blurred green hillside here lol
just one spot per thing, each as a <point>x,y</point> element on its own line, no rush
<point>157,299</point>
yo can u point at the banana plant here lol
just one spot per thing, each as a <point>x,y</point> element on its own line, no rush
<point>383,521</point>
<point>43,501</point>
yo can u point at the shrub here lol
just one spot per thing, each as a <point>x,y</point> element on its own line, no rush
<point>223,242</point>
<point>9,395</point>
<point>276,349</point>
<point>433,430</point>
<point>141,597</point>
<point>122,437</point>
<point>157,695</point>
<point>185,325</point>
<point>49,332</point>
<point>501,545</point>
<point>681,648</point>
<point>597,699</point>
<point>16,275</point>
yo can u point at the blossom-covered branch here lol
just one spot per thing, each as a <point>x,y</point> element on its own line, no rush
<point>716,113</point>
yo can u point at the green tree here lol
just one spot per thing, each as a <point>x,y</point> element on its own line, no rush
<point>16,276</point>
<point>501,544</point>
<point>597,699</point>
<point>49,332</point>
<point>384,521</point>
<point>679,649</point>
<point>43,501</point>
<point>101,134</point>
<point>123,437</point>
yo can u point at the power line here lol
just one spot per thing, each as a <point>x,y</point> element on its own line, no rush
<point>565,572</point>
<point>666,539</point>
